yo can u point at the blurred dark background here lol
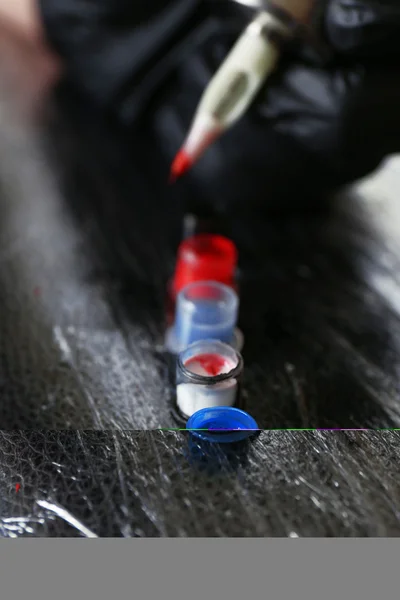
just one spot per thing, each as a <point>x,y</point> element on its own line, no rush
<point>89,232</point>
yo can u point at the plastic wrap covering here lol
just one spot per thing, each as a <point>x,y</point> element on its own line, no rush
<point>295,484</point>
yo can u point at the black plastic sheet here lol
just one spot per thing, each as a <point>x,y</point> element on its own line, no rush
<point>89,484</point>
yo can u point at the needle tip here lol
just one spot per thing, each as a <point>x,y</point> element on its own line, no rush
<point>180,165</point>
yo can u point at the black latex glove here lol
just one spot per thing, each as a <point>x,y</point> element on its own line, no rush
<point>344,113</point>
<point>315,126</point>
<point>320,122</point>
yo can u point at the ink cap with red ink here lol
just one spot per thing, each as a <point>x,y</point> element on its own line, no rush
<point>208,374</point>
<point>203,256</point>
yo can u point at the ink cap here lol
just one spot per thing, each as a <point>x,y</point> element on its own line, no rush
<point>222,425</point>
<point>205,310</point>
<point>208,374</point>
<point>203,257</point>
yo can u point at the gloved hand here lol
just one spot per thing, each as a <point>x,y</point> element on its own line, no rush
<point>316,126</point>
<point>321,122</point>
<point>344,113</point>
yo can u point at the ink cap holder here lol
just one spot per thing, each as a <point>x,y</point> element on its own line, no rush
<point>205,310</point>
<point>208,374</point>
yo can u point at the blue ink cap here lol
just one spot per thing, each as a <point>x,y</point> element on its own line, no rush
<point>222,424</point>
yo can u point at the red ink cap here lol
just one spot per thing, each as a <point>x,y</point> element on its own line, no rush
<point>205,257</point>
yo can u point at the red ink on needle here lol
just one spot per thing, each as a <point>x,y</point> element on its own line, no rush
<point>17,487</point>
<point>180,165</point>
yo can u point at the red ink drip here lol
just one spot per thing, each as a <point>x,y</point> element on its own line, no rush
<point>180,165</point>
<point>213,364</point>
<point>17,487</point>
